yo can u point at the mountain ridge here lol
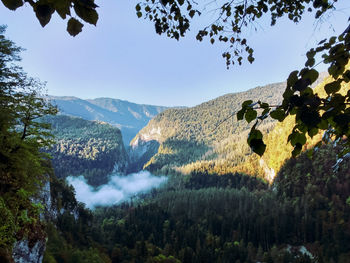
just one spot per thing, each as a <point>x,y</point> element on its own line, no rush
<point>129,117</point>
<point>205,135</point>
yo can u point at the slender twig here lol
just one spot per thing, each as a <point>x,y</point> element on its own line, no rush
<point>224,120</point>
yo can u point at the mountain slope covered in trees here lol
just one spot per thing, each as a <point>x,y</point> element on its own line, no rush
<point>201,132</point>
<point>89,148</point>
<point>127,116</point>
<point>207,137</point>
<point>303,218</point>
<point>278,150</point>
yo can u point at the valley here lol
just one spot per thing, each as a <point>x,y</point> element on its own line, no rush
<point>261,175</point>
<point>220,201</point>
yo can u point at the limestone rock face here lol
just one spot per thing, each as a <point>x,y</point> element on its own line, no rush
<point>23,253</point>
<point>26,252</point>
<point>140,152</point>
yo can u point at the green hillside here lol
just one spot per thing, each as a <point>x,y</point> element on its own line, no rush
<point>127,116</point>
<point>87,148</point>
<point>203,134</point>
<point>278,150</point>
<point>303,218</point>
<point>206,138</point>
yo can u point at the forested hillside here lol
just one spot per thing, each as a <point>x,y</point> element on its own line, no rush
<point>304,217</point>
<point>89,148</point>
<point>278,150</point>
<point>201,132</point>
<point>127,116</point>
<point>209,138</point>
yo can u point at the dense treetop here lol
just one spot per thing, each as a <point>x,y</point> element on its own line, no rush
<point>23,167</point>
<point>89,148</point>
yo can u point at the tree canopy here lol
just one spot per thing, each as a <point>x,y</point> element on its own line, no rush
<point>313,113</point>
<point>22,135</point>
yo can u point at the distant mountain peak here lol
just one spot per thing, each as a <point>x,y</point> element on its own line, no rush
<point>128,116</point>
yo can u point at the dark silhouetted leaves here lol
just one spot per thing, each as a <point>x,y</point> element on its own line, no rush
<point>277,114</point>
<point>297,138</point>
<point>296,100</point>
<point>297,149</point>
<point>293,77</point>
<point>74,27</point>
<point>342,120</point>
<point>88,14</point>
<point>246,103</point>
<point>240,114</point>
<point>333,87</point>
<point>255,142</point>
<point>311,75</point>
<point>301,84</point>
<point>43,12</point>
<point>62,8</point>
<point>12,4</point>
<point>310,117</point>
<point>250,115</point>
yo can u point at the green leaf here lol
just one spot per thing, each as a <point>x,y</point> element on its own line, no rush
<point>251,59</point>
<point>74,27</point>
<point>312,132</point>
<point>297,149</point>
<point>254,134</point>
<point>86,13</point>
<point>293,77</point>
<point>309,117</point>
<point>286,96</point>
<point>310,62</point>
<point>192,13</point>
<point>264,105</point>
<point>240,114</point>
<point>310,153</point>
<point>323,125</point>
<point>43,12</point>
<point>297,138</point>
<point>246,103</point>
<point>333,87</point>
<point>311,75</point>
<point>255,142</point>
<point>62,8</point>
<point>343,120</point>
<point>265,112</point>
<point>346,76</point>
<point>278,114</point>
<point>12,4</point>
<point>301,84</point>
<point>250,115</point>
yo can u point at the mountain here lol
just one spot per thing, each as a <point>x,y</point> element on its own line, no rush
<point>213,214</point>
<point>127,116</point>
<point>278,150</point>
<point>206,137</point>
<point>89,148</point>
<point>200,133</point>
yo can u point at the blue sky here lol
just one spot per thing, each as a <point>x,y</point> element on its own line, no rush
<point>122,57</point>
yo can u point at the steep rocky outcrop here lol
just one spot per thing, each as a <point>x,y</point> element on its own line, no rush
<point>31,249</point>
<point>143,147</point>
<point>24,253</point>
